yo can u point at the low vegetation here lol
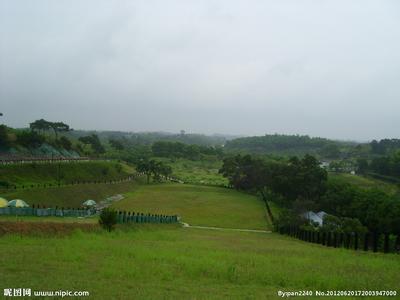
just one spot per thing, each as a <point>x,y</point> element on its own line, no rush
<point>166,262</point>
<point>198,205</point>
<point>70,196</point>
<point>196,172</point>
<point>54,173</point>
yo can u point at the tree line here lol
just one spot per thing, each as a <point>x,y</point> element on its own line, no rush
<point>181,150</point>
<point>300,185</point>
<point>388,165</point>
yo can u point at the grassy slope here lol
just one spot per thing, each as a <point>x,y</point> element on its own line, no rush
<point>48,173</point>
<point>163,262</point>
<point>198,205</point>
<point>366,182</point>
<point>197,172</point>
<point>70,196</point>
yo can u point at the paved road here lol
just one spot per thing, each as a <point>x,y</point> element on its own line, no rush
<point>186,225</point>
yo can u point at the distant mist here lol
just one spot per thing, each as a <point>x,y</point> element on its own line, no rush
<point>323,68</point>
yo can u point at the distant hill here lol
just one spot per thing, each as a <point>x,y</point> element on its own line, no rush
<point>288,145</point>
<point>148,138</point>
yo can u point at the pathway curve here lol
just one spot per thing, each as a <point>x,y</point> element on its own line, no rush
<point>186,225</point>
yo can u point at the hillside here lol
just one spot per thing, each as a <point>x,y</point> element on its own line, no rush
<point>70,196</point>
<point>198,205</point>
<point>39,173</point>
<point>196,172</point>
<point>287,145</point>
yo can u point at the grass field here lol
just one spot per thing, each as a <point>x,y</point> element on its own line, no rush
<point>166,262</point>
<point>366,182</point>
<point>198,205</point>
<point>196,172</point>
<point>70,196</point>
<point>27,174</point>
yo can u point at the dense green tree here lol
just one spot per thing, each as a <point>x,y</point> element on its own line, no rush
<point>153,168</point>
<point>362,165</point>
<point>181,150</point>
<point>117,145</point>
<point>30,139</point>
<point>94,141</point>
<point>65,143</point>
<point>43,125</point>
<point>4,140</point>
<point>108,219</point>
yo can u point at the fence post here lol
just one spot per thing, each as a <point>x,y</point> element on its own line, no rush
<point>366,242</point>
<point>376,241</point>
<point>346,240</point>
<point>329,239</point>
<point>318,237</point>
<point>335,239</point>
<point>323,238</point>
<point>397,244</point>
<point>342,239</point>
<point>356,241</point>
<point>386,244</point>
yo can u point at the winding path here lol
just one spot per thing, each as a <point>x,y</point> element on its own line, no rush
<point>186,225</point>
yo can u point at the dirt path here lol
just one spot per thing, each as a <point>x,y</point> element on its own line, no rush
<point>186,225</point>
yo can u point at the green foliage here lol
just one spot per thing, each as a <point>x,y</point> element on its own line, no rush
<point>288,217</point>
<point>331,151</point>
<point>43,125</point>
<point>387,165</point>
<point>376,209</point>
<point>65,143</point>
<point>30,139</point>
<point>181,150</point>
<point>204,171</point>
<point>154,168</point>
<point>94,141</point>
<point>286,145</point>
<point>4,140</point>
<point>385,146</point>
<point>117,145</point>
<point>108,219</point>
<point>27,174</point>
<point>342,225</point>
<point>297,178</point>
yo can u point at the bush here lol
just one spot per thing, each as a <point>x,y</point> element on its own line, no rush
<point>30,139</point>
<point>108,219</point>
<point>288,218</point>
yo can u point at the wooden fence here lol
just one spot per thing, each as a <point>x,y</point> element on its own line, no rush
<point>122,217</point>
<point>46,160</point>
<point>371,241</point>
<point>132,217</point>
<point>46,212</point>
<point>12,187</point>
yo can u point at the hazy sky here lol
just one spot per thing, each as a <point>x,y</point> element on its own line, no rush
<point>323,68</point>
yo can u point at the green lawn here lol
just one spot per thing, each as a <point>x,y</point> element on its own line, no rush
<point>166,262</point>
<point>196,172</point>
<point>198,205</point>
<point>70,196</point>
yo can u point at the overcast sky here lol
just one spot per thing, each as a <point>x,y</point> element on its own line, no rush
<point>323,68</point>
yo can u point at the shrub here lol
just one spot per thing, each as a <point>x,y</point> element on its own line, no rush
<point>108,219</point>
